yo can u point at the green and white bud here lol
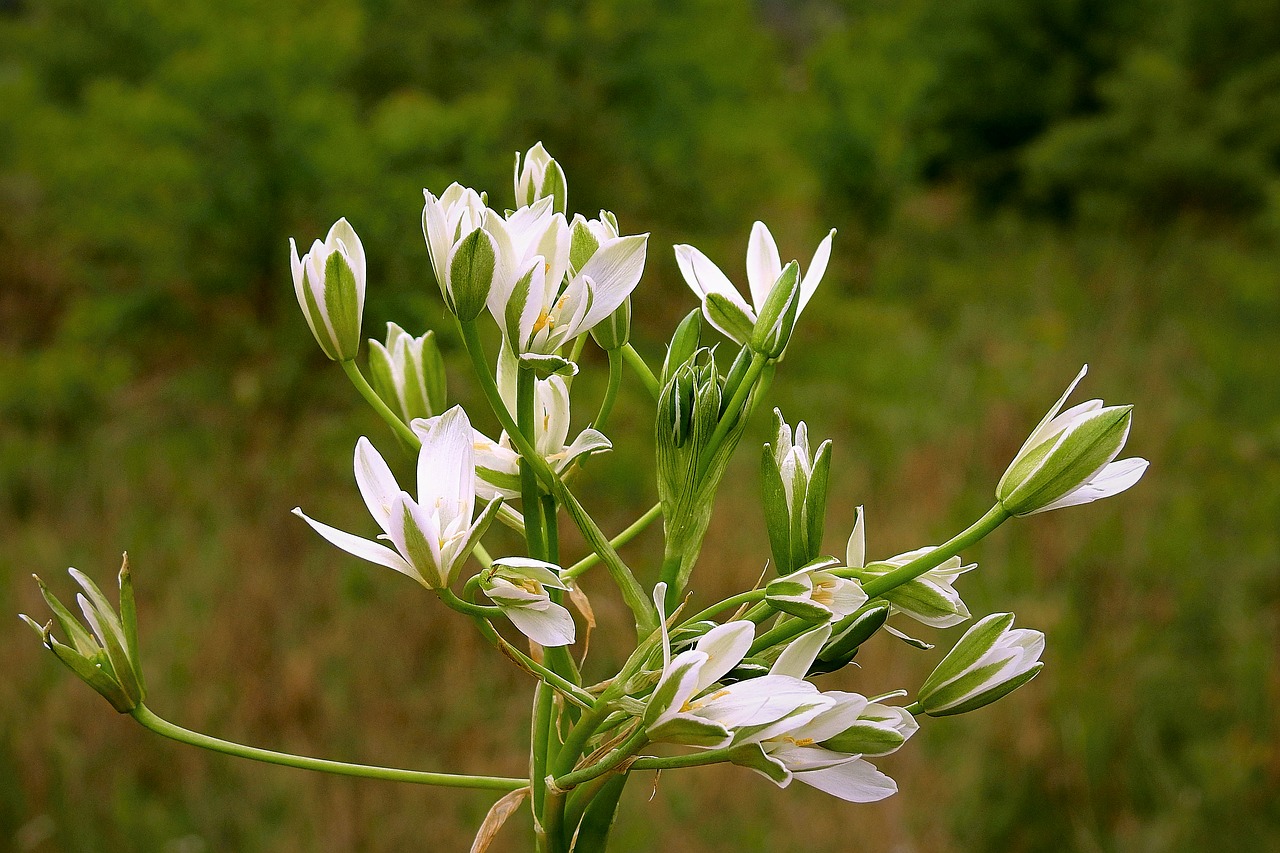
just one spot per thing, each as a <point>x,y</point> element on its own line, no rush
<point>1067,459</point>
<point>408,373</point>
<point>539,177</point>
<point>795,495</point>
<point>329,282</point>
<point>991,660</point>
<point>848,635</point>
<point>464,254</point>
<point>880,730</point>
<point>684,343</point>
<point>105,654</point>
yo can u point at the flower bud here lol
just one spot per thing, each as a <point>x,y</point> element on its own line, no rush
<point>991,660</point>
<point>329,282</point>
<point>540,176</point>
<point>683,344</point>
<point>795,495</point>
<point>104,655</point>
<point>777,319</point>
<point>1067,459</point>
<point>847,635</point>
<point>408,373</point>
<point>473,264</point>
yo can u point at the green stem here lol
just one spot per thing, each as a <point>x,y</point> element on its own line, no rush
<point>636,362</point>
<point>694,759</point>
<point>481,611</point>
<point>632,593</point>
<point>481,555</point>
<point>780,633</point>
<point>530,494</point>
<point>372,398</point>
<point>878,586</point>
<point>732,413</point>
<point>540,746</point>
<point>450,780</point>
<point>611,390</point>
<point>635,529</point>
<point>615,757</point>
<point>729,603</point>
<point>571,691</point>
<point>915,709</point>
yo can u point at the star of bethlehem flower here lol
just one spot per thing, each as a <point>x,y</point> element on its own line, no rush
<point>434,534</point>
<point>1067,459</point>
<point>826,750</point>
<point>329,282</point>
<point>814,593</point>
<point>464,255</point>
<point>991,660</point>
<point>685,709</point>
<point>722,304</point>
<point>408,373</point>
<point>497,462</point>
<point>519,586</point>
<point>930,598</point>
<point>542,304</point>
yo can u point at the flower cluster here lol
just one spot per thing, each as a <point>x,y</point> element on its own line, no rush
<point>745,690</point>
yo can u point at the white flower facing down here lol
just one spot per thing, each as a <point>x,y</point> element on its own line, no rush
<point>764,267</point>
<point>434,534</point>
<point>536,308</point>
<point>684,709</point>
<point>817,749</point>
<point>991,660</point>
<point>519,586</point>
<point>497,462</point>
<point>1067,459</point>
<point>329,282</point>
<point>930,598</point>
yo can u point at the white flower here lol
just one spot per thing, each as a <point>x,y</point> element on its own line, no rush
<point>329,282</point>
<point>930,598</point>
<point>537,310</point>
<point>684,709</point>
<point>498,464</point>
<point>464,255</point>
<point>990,660</point>
<point>764,267</point>
<point>434,534</point>
<point>519,586</point>
<point>1067,459</point>
<point>814,593</point>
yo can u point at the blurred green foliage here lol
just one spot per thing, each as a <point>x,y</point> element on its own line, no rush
<point>1019,187</point>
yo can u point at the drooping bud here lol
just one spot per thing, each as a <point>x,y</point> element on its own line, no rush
<point>1067,459</point>
<point>519,586</point>
<point>329,282</point>
<point>991,660</point>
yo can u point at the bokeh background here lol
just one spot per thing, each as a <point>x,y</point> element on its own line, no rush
<point>1020,186</point>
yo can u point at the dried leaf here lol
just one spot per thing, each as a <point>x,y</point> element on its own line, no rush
<point>496,817</point>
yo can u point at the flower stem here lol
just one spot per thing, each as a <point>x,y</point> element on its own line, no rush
<point>618,541</point>
<point>637,363</point>
<point>693,759</point>
<point>371,397</point>
<point>729,603</point>
<point>530,494</point>
<point>878,586</point>
<point>610,391</point>
<point>571,691</point>
<point>733,413</point>
<point>632,593</point>
<point>615,757</point>
<point>367,771</point>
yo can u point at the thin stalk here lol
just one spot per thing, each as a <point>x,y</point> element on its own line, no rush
<point>625,750</point>
<point>780,633</point>
<point>635,529</point>
<point>636,362</point>
<point>540,744</point>
<point>611,390</point>
<point>530,494</point>
<point>915,709</point>
<point>728,604</point>
<point>571,691</point>
<point>732,413</point>
<point>878,586</point>
<point>367,771</point>
<point>482,556</point>
<point>481,611</point>
<point>693,759</point>
<point>371,397</point>
<point>632,593</point>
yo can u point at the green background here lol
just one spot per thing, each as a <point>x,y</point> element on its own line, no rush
<point>1019,187</point>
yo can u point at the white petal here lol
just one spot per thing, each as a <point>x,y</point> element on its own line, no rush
<point>446,466</point>
<point>725,646</point>
<point>362,548</point>
<point>763,264</point>
<point>856,553</point>
<point>817,269</point>
<point>704,278</point>
<point>796,658</point>
<point>1041,431</point>
<point>615,268</point>
<point>839,717</point>
<point>377,485</point>
<point>551,627</point>
<point>1111,480</point>
<point>855,781</point>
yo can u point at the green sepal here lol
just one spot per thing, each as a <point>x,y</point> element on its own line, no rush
<point>1070,462</point>
<point>1001,690</point>
<point>866,737</point>
<point>433,374</point>
<point>777,319</point>
<point>753,756</point>
<point>546,366</point>
<point>471,272</point>
<point>382,377</point>
<point>728,317</point>
<point>342,305</point>
<point>95,672</point>
<point>815,500</point>
<point>776,517</point>
<point>582,245</point>
<point>614,332</point>
<point>555,186</point>
<point>129,621</point>
<point>690,731</point>
<point>70,625</point>
<point>736,376</point>
<point>850,633</point>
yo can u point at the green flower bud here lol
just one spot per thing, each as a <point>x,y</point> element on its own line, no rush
<point>991,660</point>
<point>329,282</point>
<point>795,495</point>
<point>539,177</point>
<point>408,373</point>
